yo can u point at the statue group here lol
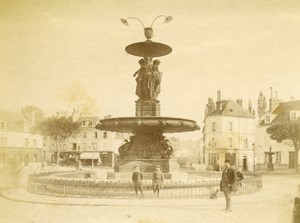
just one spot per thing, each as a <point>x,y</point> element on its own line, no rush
<point>148,79</point>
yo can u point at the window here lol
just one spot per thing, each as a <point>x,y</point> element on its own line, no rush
<point>105,135</point>
<point>230,142</point>
<point>3,141</point>
<point>34,143</point>
<point>96,135</point>
<point>84,123</point>
<point>84,135</point>
<point>268,119</point>
<point>94,145</point>
<point>213,126</point>
<point>212,159</point>
<point>90,123</point>
<point>229,126</point>
<point>266,157</point>
<point>213,142</point>
<point>278,157</point>
<point>26,142</point>
<point>3,125</point>
<point>246,143</point>
<point>84,146</point>
<point>293,116</point>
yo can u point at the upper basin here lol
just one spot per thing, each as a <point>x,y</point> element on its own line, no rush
<point>147,124</point>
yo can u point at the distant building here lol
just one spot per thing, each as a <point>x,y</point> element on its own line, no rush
<point>284,152</point>
<point>228,133</point>
<point>16,140</point>
<point>89,141</point>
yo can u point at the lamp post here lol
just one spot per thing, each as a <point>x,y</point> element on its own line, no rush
<point>148,31</point>
<point>253,144</point>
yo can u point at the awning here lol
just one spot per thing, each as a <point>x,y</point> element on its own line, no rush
<point>90,156</point>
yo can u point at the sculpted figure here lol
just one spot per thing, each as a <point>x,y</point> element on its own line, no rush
<point>154,81</point>
<point>141,73</point>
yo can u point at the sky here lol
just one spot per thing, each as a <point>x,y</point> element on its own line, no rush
<point>61,55</point>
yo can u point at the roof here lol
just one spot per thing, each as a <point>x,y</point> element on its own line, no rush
<point>231,108</point>
<point>14,121</point>
<point>283,110</point>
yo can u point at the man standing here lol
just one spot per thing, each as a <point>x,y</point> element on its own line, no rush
<point>227,181</point>
<point>137,178</point>
<point>158,178</point>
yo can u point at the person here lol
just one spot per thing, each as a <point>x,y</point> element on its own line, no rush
<point>227,182</point>
<point>157,180</point>
<point>137,179</point>
<point>239,177</point>
<point>139,79</point>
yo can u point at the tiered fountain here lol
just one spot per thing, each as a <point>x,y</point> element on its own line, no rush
<point>148,146</point>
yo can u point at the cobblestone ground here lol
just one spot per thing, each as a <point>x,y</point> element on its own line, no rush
<point>273,204</point>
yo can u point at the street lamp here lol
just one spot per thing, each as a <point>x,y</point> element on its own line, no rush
<point>148,31</point>
<point>253,144</point>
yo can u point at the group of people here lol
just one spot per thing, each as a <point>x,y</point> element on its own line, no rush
<point>229,182</point>
<point>157,181</point>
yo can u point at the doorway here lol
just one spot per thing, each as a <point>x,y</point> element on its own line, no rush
<point>245,163</point>
<point>291,160</point>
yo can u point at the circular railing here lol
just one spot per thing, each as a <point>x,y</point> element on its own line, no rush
<point>49,184</point>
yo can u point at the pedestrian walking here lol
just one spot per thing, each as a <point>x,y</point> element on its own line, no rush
<point>157,180</point>
<point>227,183</point>
<point>137,179</point>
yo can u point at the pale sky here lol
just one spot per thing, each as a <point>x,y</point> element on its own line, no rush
<point>64,54</point>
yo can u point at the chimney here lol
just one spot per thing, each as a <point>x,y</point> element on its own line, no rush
<point>239,102</point>
<point>218,100</point>
<point>274,102</point>
<point>75,115</point>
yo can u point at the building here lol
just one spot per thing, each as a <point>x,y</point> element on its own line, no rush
<point>283,152</point>
<point>16,140</point>
<point>228,133</point>
<point>89,142</point>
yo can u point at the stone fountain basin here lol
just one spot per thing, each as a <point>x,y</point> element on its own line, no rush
<point>147,124</point>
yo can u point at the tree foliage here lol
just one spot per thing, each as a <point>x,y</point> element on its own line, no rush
<point>58,129</point>
<point>261,105</point>
<point>287,130</point>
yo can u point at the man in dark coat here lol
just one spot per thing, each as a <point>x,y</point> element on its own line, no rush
<point>137,179</point>
<point>157,181</point>
<point>227,182</point>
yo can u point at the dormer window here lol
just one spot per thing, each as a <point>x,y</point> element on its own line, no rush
<point>293,115</point>
<point>84,123</point>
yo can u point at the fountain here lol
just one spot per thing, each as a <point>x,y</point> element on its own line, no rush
<point>147,146</point>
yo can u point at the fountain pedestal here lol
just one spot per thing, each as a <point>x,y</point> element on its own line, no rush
<point>147,108</point>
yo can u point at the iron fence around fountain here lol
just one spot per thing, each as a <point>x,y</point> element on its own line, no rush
<point>46,184</point>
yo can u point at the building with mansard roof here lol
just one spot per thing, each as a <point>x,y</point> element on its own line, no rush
<point>229,134</point>
<point>16,140</point>
<point>283,152</point>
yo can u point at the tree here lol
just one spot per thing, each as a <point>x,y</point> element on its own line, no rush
<point>287,130</point>
<point>58,129</point>
<point>261,105</point>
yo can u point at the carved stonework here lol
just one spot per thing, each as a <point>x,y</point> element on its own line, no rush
<point>146,146</point>
<point>148,79</point>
